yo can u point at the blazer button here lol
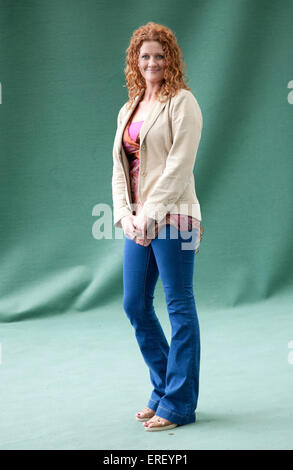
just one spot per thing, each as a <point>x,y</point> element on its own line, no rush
<point>143,147</point>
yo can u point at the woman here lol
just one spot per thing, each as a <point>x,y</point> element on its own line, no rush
<point>154,201</point>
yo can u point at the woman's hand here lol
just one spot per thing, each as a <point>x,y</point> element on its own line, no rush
<point>137,226</point>
<point>140,224</point>
<point>144,226</point>
<point>128,227</point>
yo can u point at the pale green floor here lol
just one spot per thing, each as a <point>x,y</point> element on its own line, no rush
<point>75,381</point>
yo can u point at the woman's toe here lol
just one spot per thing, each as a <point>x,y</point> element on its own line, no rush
<point>147,423</point>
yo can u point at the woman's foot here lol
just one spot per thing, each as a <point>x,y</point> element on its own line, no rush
<point>145,414</point>
<point>156,423</point>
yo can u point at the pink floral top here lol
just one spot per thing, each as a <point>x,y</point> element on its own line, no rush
<point>180,221</point>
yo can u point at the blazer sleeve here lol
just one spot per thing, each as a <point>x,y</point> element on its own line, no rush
<point>120,206</point>
<point>186,125</point>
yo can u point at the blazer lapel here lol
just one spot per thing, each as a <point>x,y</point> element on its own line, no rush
<point>152,116</point>
<point>125,120</point>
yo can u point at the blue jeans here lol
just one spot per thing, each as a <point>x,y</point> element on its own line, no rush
<point>174,369</point>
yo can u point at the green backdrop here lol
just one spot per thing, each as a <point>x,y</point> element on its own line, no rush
<point>61,74</point>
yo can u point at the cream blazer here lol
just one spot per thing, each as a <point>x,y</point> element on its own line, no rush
<point>169,140</point>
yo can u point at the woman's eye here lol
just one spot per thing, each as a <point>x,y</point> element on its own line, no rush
<point>159,55</point>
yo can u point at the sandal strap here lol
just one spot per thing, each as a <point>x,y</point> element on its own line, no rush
<point>157,419</point>
<point>146,410</point>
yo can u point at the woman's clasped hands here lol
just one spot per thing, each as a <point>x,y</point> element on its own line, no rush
<point>137,226</point>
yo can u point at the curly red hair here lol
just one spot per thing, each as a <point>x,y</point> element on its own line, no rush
<point>174,75</point>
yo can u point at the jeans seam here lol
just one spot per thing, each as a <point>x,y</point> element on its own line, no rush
<point>154,401</point>
<point>193,345</point>
<point>145,276</point>
<point>170,411</point>
<point>146,272</point>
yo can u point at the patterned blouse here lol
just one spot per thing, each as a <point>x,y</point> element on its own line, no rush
<point>182,222</point>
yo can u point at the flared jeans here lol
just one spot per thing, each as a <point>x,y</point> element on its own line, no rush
<point>174,368</point>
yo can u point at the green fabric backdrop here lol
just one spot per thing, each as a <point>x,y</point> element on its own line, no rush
<point>61,75</point>
<point>62,86</point>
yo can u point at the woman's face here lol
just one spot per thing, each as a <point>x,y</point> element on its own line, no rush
<point>151,61</point>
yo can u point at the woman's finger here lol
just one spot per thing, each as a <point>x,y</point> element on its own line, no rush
<point>131,235</point>
<point>138,233</point>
